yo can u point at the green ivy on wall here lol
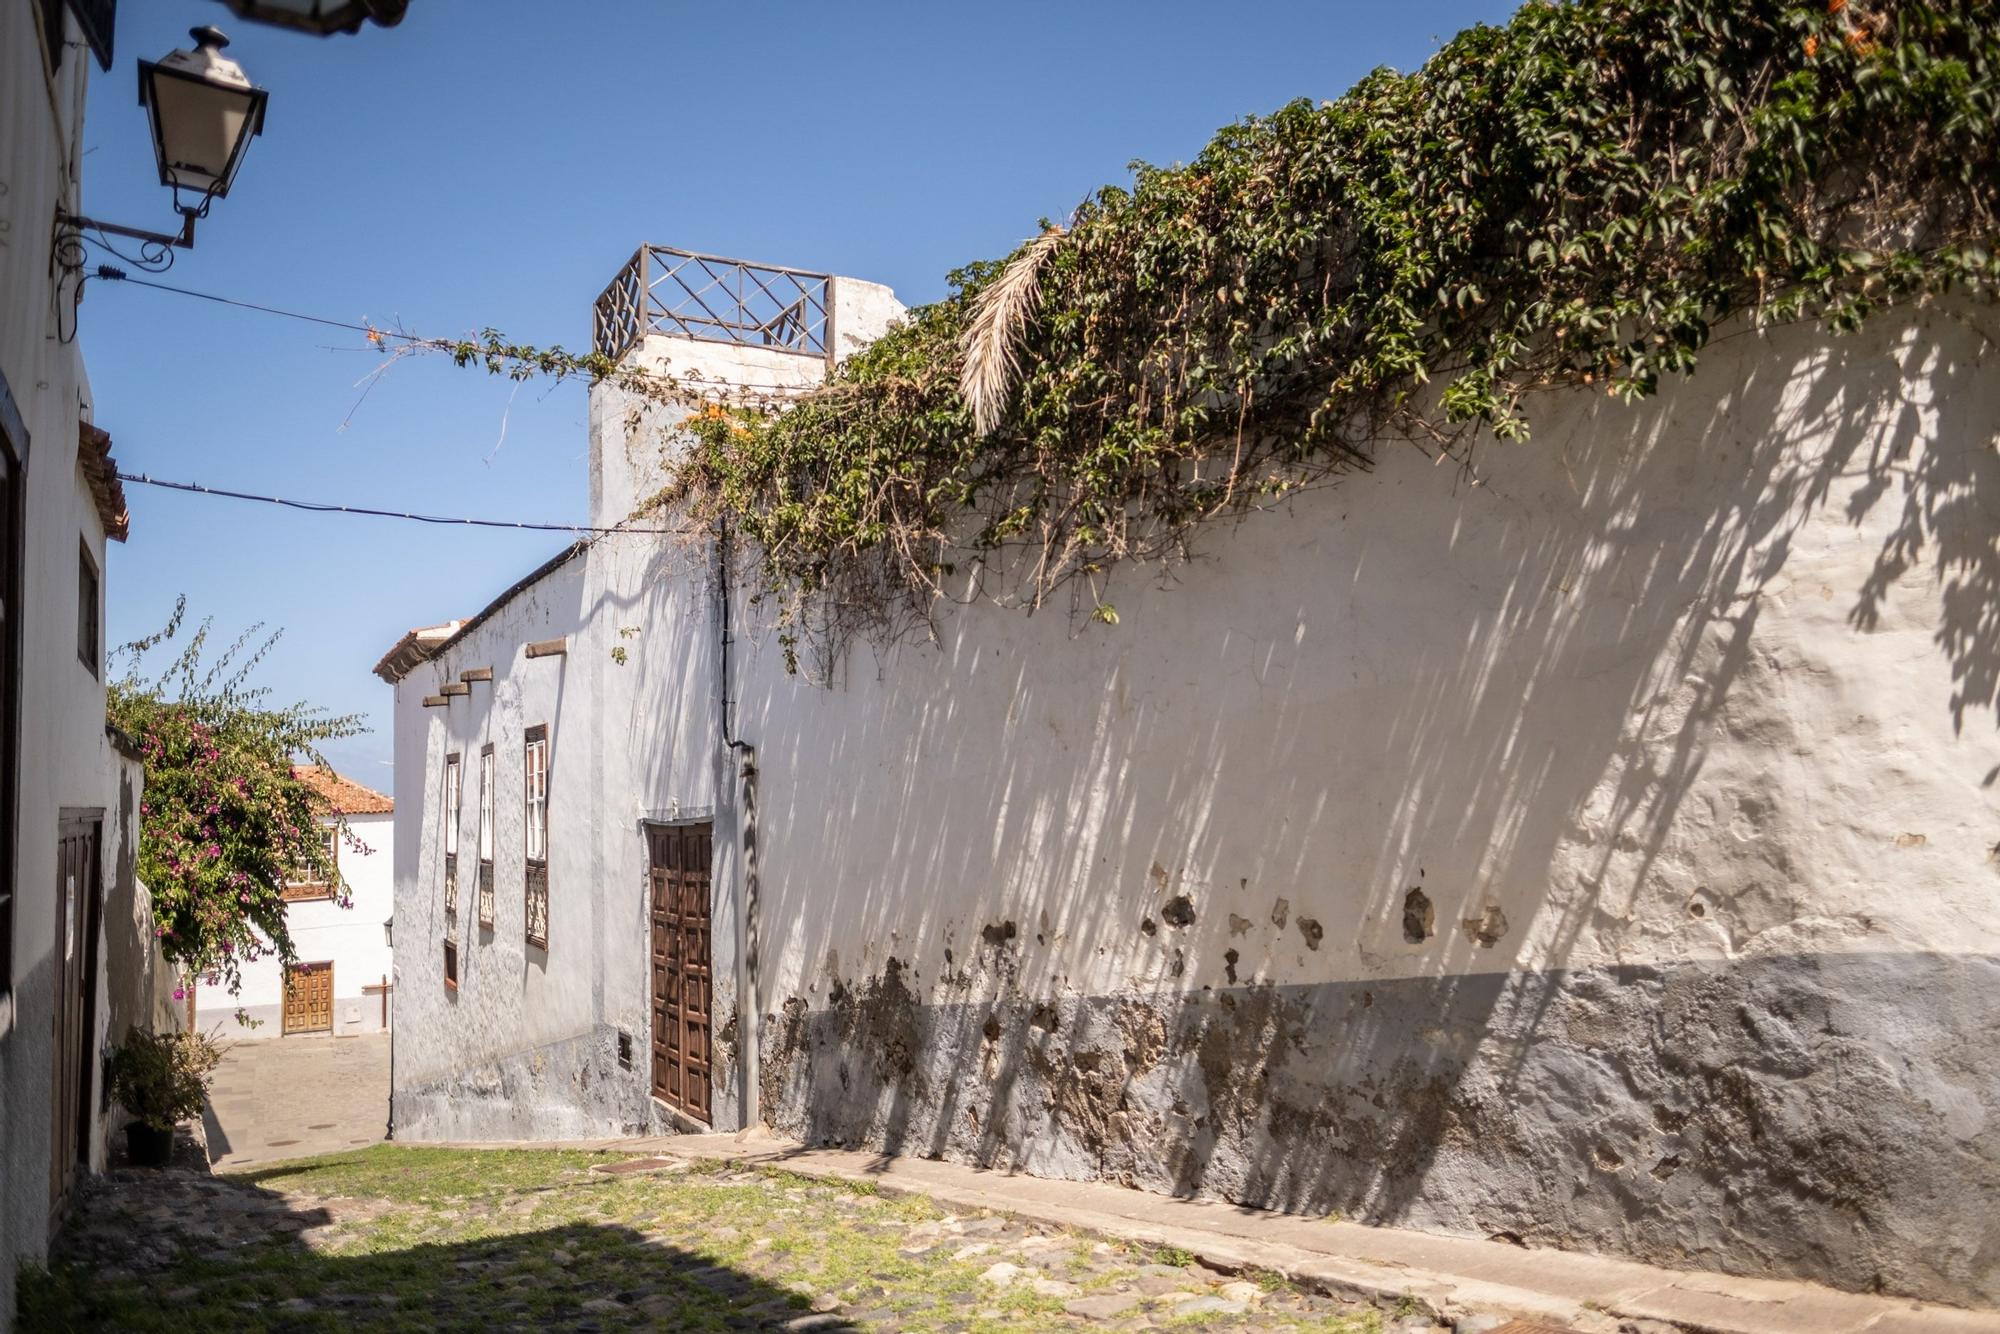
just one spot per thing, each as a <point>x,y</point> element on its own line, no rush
<point>1577,198</point>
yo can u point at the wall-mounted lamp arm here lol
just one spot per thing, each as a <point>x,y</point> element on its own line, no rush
<point>77,224</point>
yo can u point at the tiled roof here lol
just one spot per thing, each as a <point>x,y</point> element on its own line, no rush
<point>415,647</point>
<point>348,797</point>
<point>93,452</point>
<point>421,646</point>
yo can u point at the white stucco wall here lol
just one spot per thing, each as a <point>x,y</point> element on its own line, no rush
<point>1598,854</point>
<point>66,762</point>
<point>626,464</point>
<point>526,1044</point>
<point>351,938</point>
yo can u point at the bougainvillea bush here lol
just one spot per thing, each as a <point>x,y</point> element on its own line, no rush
<point>226,819</point>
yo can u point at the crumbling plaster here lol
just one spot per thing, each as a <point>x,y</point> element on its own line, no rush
<point>1591,847</point>
<point>1594,847</point>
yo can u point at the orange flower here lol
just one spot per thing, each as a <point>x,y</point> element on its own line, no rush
<point>1835,6</point>
<point>1812,47</point>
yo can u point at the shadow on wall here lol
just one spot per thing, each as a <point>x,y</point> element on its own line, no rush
<point>1500,860</point>
<point>105,1277</point>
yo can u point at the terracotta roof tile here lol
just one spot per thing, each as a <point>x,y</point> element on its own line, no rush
<point>413,648</point>
<point>101,471</point>
<point>348,797</point>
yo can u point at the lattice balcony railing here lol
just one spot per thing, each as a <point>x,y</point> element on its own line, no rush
<point>486,894</point>
<point>538,905</point>
<point>717,300</point>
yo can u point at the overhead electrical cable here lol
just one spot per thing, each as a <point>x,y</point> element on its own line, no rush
<point>113,273</point>
<point>327,507</point>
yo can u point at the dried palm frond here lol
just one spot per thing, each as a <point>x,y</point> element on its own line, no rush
<point>999,316</point>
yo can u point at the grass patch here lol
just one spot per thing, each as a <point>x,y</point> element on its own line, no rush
<point>406,1239</point>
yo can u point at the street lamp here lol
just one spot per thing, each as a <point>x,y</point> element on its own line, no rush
<point>203,113</point>
<point>320,17</point>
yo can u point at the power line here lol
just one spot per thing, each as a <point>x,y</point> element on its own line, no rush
<point>112,273</point>
<point>322,507</point>
<point>119,275</point>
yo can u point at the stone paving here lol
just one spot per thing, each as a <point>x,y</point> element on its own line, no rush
<point>400,1238</point>
<point>281,1098</point>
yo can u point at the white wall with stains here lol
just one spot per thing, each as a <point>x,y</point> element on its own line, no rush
<point>1593,847</point>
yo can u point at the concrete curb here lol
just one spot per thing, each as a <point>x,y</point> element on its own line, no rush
<point>1449,1278</point>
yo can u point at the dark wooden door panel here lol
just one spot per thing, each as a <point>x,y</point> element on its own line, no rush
<point>683,982</point>
<point>76,988</point>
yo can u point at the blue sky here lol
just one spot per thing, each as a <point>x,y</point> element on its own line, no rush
<point>491,164</point>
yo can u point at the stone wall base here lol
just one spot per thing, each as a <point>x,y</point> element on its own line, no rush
<point>1831,1117</point>
<point>574,1089</point>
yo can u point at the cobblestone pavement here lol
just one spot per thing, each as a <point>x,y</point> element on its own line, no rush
<point>281,1098</point>
<point>408,1238</point>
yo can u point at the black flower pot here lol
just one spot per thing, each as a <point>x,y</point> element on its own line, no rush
<point>148,1147</point>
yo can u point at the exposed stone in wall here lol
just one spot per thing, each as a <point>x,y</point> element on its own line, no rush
<point>1419,917</point>
<point>1788,1115</point>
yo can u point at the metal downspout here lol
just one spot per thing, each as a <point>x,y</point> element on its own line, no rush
<point>737,765</point>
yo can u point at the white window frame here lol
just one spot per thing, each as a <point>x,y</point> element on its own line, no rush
<point>454,801</point>
<point>535,796</point>
<point>486,804</point>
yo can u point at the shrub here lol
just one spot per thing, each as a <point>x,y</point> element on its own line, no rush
<point>162,1078</point>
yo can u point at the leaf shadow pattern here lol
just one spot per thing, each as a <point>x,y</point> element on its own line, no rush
<point>1575,696</point>
<point>1949,506</point>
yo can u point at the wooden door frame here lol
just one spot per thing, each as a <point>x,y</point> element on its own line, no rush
<point>284,1019</point>
<point>71,821</point>
<point>704,1115</point>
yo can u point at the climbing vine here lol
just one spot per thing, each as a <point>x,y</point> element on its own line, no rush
<point>1576,198</point>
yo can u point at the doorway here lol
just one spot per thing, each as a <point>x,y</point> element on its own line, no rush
<point>78,887</point>
<point>683,978</point>
<point>309,998</point>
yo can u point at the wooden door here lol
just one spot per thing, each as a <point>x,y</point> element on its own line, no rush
<point>309,998</point>
<point>683,980</point>
<point>75,956</point>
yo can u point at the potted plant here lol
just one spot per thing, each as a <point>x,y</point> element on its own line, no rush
<point>162,1079</point>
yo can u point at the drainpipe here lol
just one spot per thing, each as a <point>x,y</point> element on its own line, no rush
<point>737,765</point>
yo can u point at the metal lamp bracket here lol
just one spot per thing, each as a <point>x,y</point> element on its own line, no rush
<point>76,236</point>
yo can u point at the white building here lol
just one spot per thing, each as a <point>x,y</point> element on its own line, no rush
<point>77,957</point>
<point>1600,856</point>
<point>340,983</point>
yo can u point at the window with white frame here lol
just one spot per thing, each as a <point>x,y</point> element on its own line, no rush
<point>535,770</point>
<point>486,804</point>
<point>454,786</point>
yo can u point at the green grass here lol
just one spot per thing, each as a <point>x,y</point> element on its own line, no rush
<point>424,1239</point>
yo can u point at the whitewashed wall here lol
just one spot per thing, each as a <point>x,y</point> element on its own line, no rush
<point>350,938</point>
<point>1680,723</point>
<point>626,465</point>
<point>1598,854</point>
<point>66,761</point>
